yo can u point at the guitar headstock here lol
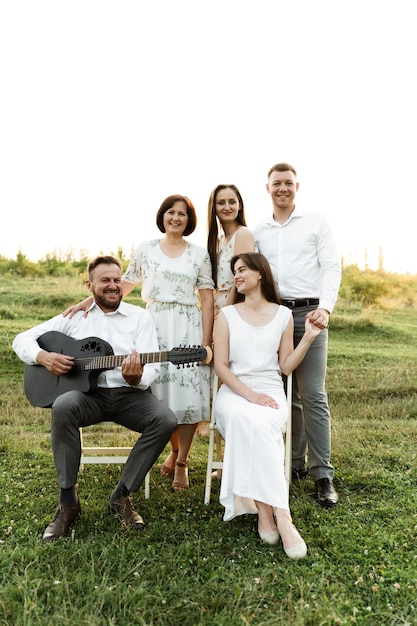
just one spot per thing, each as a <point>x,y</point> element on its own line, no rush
<point>184,355</point>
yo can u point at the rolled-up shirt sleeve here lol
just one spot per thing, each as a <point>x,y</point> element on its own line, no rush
<point>25,344</point>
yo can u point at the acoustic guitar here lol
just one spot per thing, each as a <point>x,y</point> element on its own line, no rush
<point>92,356</point>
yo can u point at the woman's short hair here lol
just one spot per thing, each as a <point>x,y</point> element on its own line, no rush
<point>168,204</point>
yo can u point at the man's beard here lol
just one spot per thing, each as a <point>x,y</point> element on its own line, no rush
<point>106,303</point>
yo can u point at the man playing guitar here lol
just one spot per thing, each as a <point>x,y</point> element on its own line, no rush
<point>121,395</point>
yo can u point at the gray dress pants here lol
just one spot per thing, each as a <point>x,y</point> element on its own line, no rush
<point>310,408</point>
<point>133,408</point>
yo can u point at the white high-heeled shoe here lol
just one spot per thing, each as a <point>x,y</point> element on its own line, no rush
<point>271,537</point>
<point>297,552</point>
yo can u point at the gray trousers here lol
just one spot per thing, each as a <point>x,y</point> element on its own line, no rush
<point>133,408</point>
<point>310,408</point>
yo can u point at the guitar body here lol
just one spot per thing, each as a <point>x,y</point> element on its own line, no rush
<point>42,387</point>
<point>92,356</point>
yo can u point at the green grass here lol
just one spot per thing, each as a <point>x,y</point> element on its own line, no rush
<point>189,567</point>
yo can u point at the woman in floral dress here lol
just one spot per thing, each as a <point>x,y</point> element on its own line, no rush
<point>177,287</point>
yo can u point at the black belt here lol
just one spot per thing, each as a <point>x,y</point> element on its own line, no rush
<point>294,304</point>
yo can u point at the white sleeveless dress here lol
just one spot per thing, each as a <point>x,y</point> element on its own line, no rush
<point>253,463</point>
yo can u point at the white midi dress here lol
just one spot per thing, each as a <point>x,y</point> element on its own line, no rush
<point>253,463</point>
<point>169,288</point>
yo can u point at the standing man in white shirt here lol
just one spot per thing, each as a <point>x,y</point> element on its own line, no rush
<point>301,250</point>
<point>122,395</point>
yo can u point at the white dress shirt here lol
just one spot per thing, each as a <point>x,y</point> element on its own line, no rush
<point>128,328</point>
<point>303,256</point>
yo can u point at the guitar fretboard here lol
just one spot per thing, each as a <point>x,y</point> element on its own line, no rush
<point>115,360</point>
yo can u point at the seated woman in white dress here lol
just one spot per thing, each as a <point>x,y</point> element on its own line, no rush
<point>253,344</point>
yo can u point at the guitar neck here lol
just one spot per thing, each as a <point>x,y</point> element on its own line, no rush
<point>115,360</point>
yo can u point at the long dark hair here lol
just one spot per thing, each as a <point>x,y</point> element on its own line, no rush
<point>258,263</point>
<point>213,224</point>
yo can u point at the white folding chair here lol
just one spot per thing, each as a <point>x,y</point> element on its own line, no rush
<point>287,431</point>
<point>214,439</point>
<point>92,455</point>
<point>215,442</point>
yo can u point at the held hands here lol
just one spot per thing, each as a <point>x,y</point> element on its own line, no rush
<point>318,317</point>
<point>55,362</point>
<point>132,369</point>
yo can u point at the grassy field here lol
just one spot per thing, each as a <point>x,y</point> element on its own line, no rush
<point>189,568</point>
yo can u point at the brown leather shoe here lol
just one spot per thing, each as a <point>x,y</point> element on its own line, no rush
<point>64,517</point>
<point>126,513</point>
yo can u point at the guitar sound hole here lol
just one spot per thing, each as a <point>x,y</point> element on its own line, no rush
<point>91,346</point>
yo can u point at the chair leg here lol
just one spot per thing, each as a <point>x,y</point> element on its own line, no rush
<point>81,468</point>
<point>147,485</point>
<point>288,432</point>
<point>105,455</point>
<point>214,437</point>
<point>219,453</point>
<point>207,492</point>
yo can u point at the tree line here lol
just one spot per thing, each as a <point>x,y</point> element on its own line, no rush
<point>363,286</point>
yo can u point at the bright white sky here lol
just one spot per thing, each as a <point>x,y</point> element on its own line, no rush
<point>107,107</point>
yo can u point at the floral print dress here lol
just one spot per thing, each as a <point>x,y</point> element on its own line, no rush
<point>169,288</point>
<point>225,279</point>
<point>224,272</point>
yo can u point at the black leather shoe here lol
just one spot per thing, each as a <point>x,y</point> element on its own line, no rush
<point>64,517</point>
<point>299,474</point>
<point>326,494</point>
<point>126,513</point>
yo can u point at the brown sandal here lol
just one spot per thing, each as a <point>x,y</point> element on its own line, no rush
<point>167,470</point>
<point>180,482</point>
